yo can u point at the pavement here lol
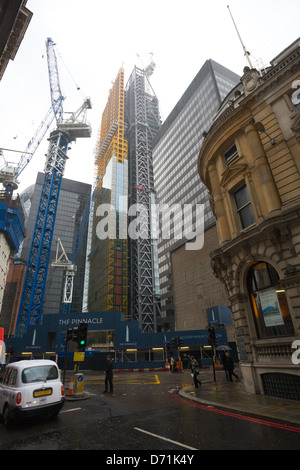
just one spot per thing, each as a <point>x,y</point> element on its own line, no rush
<point>232,396</point>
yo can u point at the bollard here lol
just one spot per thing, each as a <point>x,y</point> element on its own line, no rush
<point>79,380</point>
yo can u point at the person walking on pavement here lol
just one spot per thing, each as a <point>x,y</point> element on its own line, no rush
<point>230,366</point>
<point>109,375</point>
<point>195,371</point>
<point>224,363</point>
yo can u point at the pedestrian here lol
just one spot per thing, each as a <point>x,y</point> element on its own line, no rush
<point>224,363</point>
<point>230,366</point>
<point>195,371</point>
<point>109,375</point>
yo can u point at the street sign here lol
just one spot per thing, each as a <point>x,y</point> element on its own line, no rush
<point>78,356</point>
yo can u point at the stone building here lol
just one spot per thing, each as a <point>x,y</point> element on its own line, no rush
<point>250,163</point>
<point>195,288</point>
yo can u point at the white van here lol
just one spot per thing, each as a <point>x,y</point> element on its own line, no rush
<point>30,388</point>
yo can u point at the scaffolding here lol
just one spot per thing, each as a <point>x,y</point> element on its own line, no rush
<point>111,140</point>
<point>108,258</point>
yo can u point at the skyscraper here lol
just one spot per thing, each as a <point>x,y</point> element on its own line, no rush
<point>108,264</point>
<point>175,150</point>
<point>123,267</point>
<point>143,121</point>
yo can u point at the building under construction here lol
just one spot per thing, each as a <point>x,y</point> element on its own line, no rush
<point>143,121</point>
<point>123,273</point>
<point>108,257</point>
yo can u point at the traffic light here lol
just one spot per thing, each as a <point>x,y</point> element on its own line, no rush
<point>211,336</point>
<point>180,342</point>
<point>69,334</point>
<point>175,342</point>
<point>82,335</point>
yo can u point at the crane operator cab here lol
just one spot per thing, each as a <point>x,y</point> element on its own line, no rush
<point>76,125</point>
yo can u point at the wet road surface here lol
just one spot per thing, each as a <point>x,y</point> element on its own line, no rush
<point>144,413</point>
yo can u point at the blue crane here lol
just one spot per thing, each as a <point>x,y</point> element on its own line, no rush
<point>9,173</point>
<point>62,261</point>
<point>30,310</point>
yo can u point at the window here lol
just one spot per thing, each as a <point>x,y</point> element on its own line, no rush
<point>269,303</point>
<point>244,207</point>
<point>39,373</point>
<point>98,338</point>
<point>7,375</point>
<point>231,154</point>
<point>13,377</point>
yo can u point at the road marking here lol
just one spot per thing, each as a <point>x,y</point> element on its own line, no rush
<point>165,439</point>
<point>236,415</point>
<point>72,409</point>
<point>134,379</point>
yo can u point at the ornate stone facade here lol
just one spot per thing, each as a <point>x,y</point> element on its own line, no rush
<point>250,162</point>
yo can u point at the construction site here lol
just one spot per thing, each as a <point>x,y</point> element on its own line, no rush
<point>67,254</point>
<point>117,276</point>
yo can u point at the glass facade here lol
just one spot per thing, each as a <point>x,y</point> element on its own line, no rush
<point>107,261</point>
<point>71,204</point>
<point>108,284</point>
<point>176,148</point>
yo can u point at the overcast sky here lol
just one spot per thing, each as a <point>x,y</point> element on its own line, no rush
<point>96,37</point>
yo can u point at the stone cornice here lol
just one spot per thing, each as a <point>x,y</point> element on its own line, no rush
<point>233,114</point>
<point>274,229</point>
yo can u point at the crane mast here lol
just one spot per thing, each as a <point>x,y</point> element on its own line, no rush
<point>37,266</point>
<point>31,304</point>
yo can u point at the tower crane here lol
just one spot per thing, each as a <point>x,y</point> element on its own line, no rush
<point>30,310</point>
<point>62,261</point>
<point>9,173</point>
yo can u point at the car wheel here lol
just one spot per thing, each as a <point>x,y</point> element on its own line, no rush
<point>54,415</point>
<point>6,416</point>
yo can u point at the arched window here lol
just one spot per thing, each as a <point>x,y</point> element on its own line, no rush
<point>269,303</point>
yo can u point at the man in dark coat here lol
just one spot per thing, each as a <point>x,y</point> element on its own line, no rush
<point>109,375</point>
<point>224,363</point>
<point>230,366</point>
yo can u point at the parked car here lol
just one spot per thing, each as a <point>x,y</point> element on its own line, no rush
<point>30,388</point>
